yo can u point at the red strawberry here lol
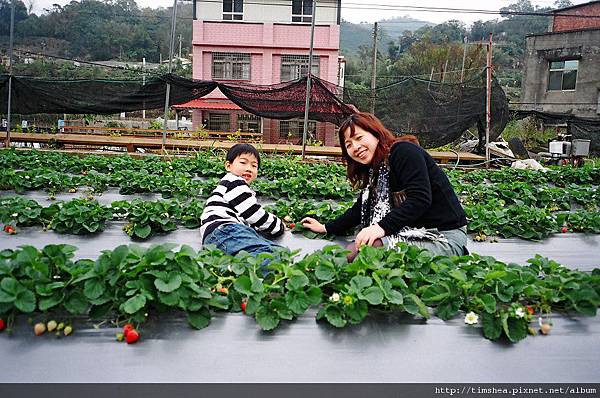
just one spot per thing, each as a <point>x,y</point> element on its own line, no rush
<point>127,328</point>
<point>243,306</point>
<point>2,324</point>
<point>9,229</point>
<point>530,309</point>
<point>132,336</point>
<point>292,225</point>
<point>564,230</point>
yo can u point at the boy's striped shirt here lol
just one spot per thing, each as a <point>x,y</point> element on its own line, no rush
<point>233,202</point>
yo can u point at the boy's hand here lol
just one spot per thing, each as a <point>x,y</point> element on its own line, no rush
<point>313,225</point>
<point>367,236</point>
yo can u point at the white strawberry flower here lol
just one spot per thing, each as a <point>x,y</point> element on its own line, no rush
<point>520,312</point>
<point>334,298</point>
<point>471,318</point>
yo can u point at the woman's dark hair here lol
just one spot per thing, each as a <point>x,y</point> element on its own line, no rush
<point>240,149</point>
<point>358,173</point>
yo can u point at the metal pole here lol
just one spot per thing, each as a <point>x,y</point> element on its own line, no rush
<point>488,110</point>
<point>308,77</point>
<point>10,67</point>
<point>167,97</point>
<point>144,83</point>
<point>462,70</point>
<point>374,69</point>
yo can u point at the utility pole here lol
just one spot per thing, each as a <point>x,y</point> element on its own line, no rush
<point>167,96</point>
<point>374,69</point>
<point>488,108</point>
<point>308,78</point>
<point>10,67</point>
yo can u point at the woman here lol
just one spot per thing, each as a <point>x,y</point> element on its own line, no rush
<point>405,195</point>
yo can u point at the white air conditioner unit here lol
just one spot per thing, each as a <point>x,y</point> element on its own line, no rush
<point>560,148</point>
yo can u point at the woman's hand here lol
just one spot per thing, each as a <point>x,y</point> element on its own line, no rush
<point>367,236</point>
<point>313,225</point>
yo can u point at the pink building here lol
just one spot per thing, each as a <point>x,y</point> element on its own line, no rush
<point>263,42</point>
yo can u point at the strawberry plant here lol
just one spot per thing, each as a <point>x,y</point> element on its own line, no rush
<point>80,216</point>
<point>20,211</point>
<point>131,282</point>
<point>191,213</point>
<point>147,218</point>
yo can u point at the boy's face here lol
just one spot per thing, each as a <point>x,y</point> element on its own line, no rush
<point>245,166</point>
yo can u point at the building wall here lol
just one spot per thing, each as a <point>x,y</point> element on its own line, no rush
<point>569,22</point>
<point>272,11</point>
<point>542,49</point>
<point>266,32</point>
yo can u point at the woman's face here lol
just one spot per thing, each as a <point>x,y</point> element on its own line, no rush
<point>361,146</point>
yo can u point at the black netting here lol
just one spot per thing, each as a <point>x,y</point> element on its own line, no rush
<point>579,127</point>
<point>32,95</point>
<point>435,112</point>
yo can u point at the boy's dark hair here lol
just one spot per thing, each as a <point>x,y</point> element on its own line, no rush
<point>239,149</point>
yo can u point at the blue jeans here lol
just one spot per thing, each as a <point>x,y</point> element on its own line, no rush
<point>233,238</point>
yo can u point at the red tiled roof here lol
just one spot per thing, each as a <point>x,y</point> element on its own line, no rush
<point>210,104</point>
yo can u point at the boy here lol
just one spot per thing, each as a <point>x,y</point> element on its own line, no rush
<point>232,216</point>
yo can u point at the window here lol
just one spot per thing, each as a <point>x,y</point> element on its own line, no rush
<point>563,75</point>
<point>295,66</point>
<point>295,128</point>
<point>230,66</point>
<point>249,123</point>
<point>302,10</point>
<point>233,10</point>
<point>219,122</point>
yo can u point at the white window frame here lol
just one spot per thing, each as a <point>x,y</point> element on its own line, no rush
<point>231,66</point>
<point>295,66</point>
<point>294,128</point>
<point>563,70</point>
<point>305,12</point>
<point>235,12</point>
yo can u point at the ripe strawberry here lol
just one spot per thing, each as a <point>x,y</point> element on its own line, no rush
<point>127,328</point>
<point>243,306</point>
<point>292,225</point>
<point>2,324</point>
<point>9,229</point>
<point>132,336</point>
<point>564,230</point>
<point>39,329</point>
<point>68,330</point>
<point>530,310</point>
<point>51,325</point>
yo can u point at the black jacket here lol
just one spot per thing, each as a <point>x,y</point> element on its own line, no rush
<point>429,199</point>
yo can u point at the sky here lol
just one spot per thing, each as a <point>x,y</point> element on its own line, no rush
<point>357,11</point>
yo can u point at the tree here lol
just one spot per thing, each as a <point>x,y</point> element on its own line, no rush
<point>5,10</point>
<point>562,4</point>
